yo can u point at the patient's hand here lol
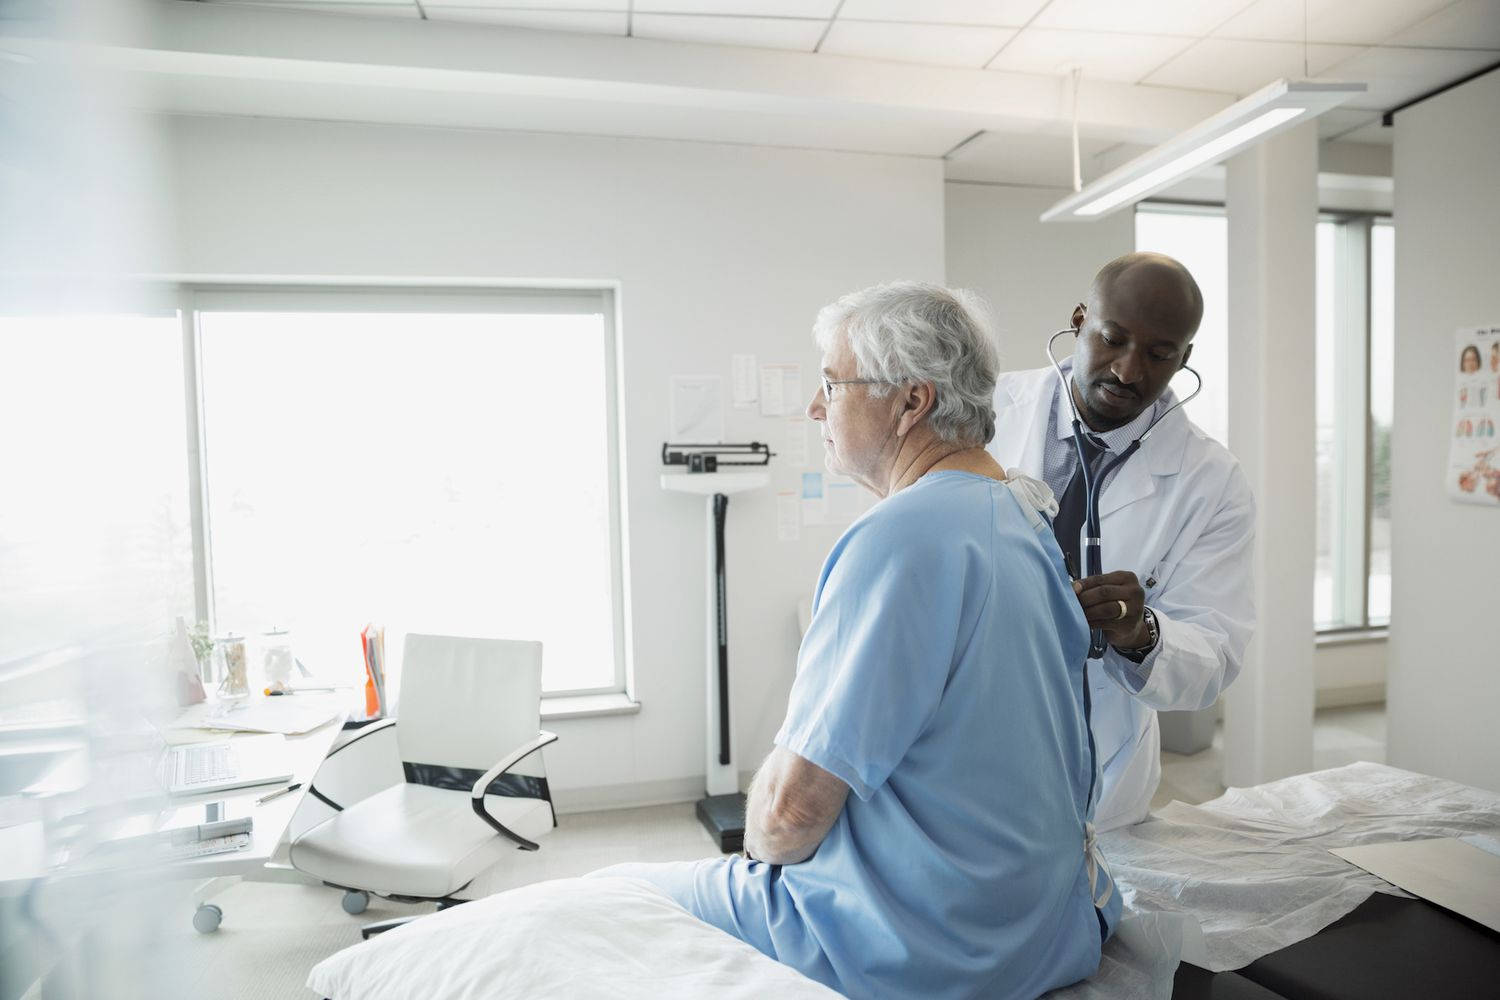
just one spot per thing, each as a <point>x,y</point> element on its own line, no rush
<point>1100,598</point>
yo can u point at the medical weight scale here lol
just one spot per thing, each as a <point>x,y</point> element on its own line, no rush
<point>722,809</point>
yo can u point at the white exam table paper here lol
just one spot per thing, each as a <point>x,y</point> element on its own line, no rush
<point>1253,866</point>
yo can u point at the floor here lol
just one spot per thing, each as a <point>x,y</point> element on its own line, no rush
<point>1340,736</point>
<point>274,933</point>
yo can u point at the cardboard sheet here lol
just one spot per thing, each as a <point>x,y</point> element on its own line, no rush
<point>1445,871</point>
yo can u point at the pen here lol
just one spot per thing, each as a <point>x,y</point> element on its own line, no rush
<point>277,794</point>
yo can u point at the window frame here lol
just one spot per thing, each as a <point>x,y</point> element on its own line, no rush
<point>194,298</point>
<point>1353,330</point>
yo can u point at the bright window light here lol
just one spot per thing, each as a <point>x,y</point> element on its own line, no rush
<point>1200,240</point>
<point>432,471</point>
<point>95,533</point>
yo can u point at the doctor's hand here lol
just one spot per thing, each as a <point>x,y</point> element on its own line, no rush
<point>1116,604</point>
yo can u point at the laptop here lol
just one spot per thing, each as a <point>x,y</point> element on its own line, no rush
<point>194,768</point>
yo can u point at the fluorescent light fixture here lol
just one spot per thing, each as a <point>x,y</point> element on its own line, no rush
<point>1237,127</point>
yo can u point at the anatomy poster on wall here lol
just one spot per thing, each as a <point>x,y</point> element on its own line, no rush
<point>1474,451</point>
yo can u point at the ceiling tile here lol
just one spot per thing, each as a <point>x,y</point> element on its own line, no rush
<point>798,34</point>
<point>1366,22</point>
<point>1102,56</point>
<point>587,22</point>
<point>1471,24</point>
<point>1397,75</point>
<point>1243,67</point>
<point>390,8</point>
<point>930,44</point>
<point>1044,160</point>
<point>1004,13</point>
<point>821,9</point>
<point>1157,17</point>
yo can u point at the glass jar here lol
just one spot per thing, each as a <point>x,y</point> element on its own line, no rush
<point>276,659</point>
<point>230,665</point>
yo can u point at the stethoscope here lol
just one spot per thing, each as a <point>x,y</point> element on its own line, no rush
<point>1092,557</point>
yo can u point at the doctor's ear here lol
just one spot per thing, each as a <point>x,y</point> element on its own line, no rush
<point>1185,355</point>
<point>1080,312</point>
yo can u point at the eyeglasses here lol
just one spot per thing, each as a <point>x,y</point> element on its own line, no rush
<point>829,383</point>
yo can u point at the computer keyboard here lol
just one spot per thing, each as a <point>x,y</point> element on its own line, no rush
<point>198,765</point>
<point>214,845</point>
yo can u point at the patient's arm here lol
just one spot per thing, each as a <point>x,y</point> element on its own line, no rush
<point>790,809</point>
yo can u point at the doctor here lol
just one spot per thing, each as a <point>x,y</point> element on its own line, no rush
<point>1176,519</point>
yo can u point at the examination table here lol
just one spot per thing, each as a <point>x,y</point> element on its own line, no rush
<point>1234,899</point>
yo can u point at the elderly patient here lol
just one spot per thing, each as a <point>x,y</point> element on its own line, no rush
<point>941,683</point>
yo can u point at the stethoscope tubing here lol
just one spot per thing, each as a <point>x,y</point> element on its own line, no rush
<point>1092,484</point>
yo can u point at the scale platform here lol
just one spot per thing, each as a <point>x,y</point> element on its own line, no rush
<point>723,816</point>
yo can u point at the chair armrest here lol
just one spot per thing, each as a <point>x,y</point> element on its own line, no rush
<point>370,730</point>
<point>520,753</point>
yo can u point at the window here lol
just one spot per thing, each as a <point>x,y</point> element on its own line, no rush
<point>1199,237</point>
<point>433,462</point>
<point>95,536</point>
<point>1355,345</point>
<point>1354,350</point>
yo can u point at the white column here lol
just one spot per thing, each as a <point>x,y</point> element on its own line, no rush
<point>1272,204</point>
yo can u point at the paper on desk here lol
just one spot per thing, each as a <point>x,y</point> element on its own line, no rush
<point>272,715</point>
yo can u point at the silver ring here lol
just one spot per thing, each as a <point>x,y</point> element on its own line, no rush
<point>1123,610</point>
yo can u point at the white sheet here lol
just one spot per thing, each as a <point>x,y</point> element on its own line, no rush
<point>599,937</point>
<point>1253,867</point>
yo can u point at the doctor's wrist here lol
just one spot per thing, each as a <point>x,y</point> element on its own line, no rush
<point>1138,652</point>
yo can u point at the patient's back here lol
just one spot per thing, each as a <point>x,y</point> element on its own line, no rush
<point>941,678</point>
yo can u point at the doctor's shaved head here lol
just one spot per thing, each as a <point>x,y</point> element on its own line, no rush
<point>1157,283</point>
<point>1133,334</point>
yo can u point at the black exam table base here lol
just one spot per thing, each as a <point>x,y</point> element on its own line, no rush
<point>1388,948</point>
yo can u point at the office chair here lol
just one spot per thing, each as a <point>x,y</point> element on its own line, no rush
<point>474,788</point>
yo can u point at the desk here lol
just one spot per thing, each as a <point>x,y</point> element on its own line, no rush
<point>214,872</point>
<point>306,752</point>
<point>272,819</point>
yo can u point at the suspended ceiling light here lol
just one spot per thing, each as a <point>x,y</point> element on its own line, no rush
<point>1262,114</point>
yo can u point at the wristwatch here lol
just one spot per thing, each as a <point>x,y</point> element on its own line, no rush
<point>1138,655</point>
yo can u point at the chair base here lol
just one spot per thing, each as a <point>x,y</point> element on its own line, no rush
<point>723,816</point>
<point>381,926</point>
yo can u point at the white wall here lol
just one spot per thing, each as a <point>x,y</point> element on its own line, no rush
<point>1033,273</point>
<point>718,249</point>
<point>1444,685</point>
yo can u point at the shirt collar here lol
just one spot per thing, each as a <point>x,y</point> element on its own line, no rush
<point>1116,440</point>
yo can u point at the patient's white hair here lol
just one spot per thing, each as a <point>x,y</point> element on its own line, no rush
<point>909,331</point>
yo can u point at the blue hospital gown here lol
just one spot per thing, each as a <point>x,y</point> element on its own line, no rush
<point>941,679</point>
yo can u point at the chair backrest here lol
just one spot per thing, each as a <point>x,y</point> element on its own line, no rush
<point>466,703</point>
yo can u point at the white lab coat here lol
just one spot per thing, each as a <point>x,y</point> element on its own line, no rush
<point>1180,515</point>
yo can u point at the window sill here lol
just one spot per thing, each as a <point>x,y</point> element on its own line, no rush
<point>1352,636</point>
<point>587,706</point>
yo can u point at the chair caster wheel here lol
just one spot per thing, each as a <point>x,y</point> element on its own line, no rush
<point>355,901</point>
<point>207,918</point>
